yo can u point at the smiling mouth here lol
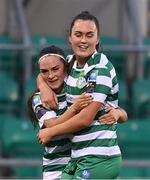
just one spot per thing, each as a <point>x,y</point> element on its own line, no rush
<point>52,82</point>
<point>83,47</point>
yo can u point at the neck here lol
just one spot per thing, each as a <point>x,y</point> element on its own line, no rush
<point>82,61</point>
<point>59,90</point>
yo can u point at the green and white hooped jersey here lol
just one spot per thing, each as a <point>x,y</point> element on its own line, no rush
<point>97,77</point>
<point>57,152</point>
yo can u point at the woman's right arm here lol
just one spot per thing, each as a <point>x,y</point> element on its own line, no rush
<point>48,97</point>
<point>114,115</point>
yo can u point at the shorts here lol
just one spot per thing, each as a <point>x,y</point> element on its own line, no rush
<point>93,167</point>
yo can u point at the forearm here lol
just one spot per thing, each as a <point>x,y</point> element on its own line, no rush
<point>41,84</point>
<point>48,97</point>
<point>66,116</point>
<point>74,124</point>
<point>80,103</point>
<point>47,134</point>
<point>61,119</point>
<point>77,122</point>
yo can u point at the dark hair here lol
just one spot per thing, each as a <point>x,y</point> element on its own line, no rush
<point>31,113</point>
<point>54,50</point>
<point>85,15</point>
<point>46,50</point>
<point>51,49</point>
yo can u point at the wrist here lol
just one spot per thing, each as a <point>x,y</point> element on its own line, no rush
<point>74,110</point>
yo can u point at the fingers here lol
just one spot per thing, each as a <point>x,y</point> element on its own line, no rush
<point>84,95</point>
<point>56,100</point>
<point>85,103</point>
<point>46,105</point>
<point>40,139</point>
<point>52,105</point>
<point>109,109</point>
<point>107,120</point>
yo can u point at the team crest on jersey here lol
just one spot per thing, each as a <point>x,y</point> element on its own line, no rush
<point>85,174</point>
<point>81,82</point>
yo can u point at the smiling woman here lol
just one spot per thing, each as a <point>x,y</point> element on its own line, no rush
<point>94,144</point>
<point>53,69</point>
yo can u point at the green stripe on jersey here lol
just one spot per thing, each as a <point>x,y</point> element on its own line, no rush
<point>59,142</point>
<point>54,168</point>
<point>95,128</point>
<point>100,74</point>
<point>63,153</point>
<point>95,143</point>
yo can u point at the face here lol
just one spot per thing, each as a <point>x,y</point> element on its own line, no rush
<point>53,72</point>
<point>84,38</point>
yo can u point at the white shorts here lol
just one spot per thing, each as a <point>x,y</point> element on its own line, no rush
<point>52,175</point>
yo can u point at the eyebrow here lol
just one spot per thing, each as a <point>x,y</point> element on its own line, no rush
<point>90,32</point>
<point>51,68</point>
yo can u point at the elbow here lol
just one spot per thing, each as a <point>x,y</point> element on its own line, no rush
<point>125,116</point>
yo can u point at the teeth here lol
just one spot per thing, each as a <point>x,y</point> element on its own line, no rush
<point>83,47</point>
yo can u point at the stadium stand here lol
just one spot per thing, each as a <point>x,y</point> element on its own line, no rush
<point>147,59</point>
<point>123,95</point>
<point>9,94</point>
<point>141,98</point>
<point>17,137</point>
<point>135,145</point>
<point>19,142</point>
<point>45,40</point>
<point>133,139</point>
<point>7,56</point>
<point>116,57</point>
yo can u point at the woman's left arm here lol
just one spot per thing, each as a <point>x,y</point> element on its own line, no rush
<point>74,124</point>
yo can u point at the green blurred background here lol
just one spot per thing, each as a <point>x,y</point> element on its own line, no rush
<point>28,25</point>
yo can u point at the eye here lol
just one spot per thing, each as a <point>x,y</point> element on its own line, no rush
<point>77,34</point>
<point>89,35</point>
<point>43,71</point>
<point>56,68</point>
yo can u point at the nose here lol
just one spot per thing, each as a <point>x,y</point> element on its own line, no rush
<point>50,75</point>
<point>83,39</point>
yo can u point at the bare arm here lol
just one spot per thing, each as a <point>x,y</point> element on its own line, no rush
<point>81,102</point>
<point>114,115</point>
<point>48,97</point>
<point>74,124</point>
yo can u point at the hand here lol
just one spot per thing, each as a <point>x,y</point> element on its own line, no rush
<point>111,117</point>
<point>82,101</point>
<point>49,99</point>
<point>44,136</point>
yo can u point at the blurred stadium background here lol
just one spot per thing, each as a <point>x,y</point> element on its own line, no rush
<point>28,25</point>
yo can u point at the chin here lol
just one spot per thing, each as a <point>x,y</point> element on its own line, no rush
<point>83,55</point>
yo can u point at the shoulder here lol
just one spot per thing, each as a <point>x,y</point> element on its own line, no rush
<point>36,98</point>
